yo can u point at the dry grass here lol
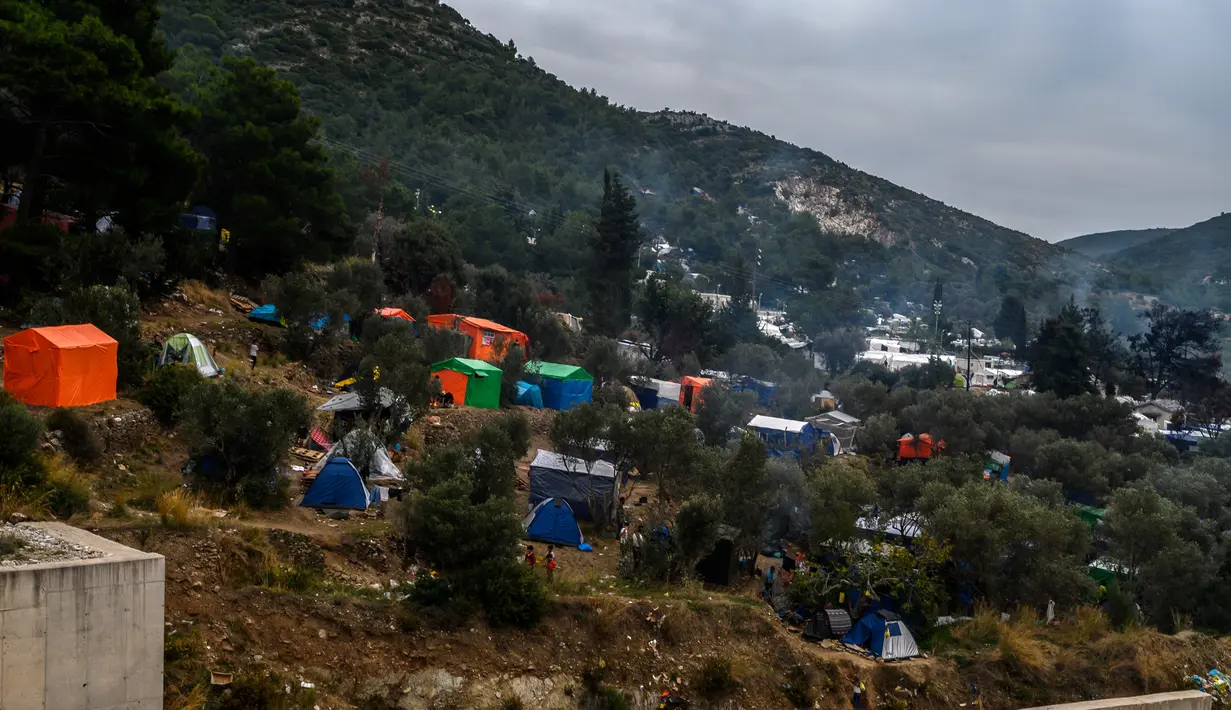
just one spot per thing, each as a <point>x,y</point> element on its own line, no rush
<point>149,486</point>
<point>1020,650</point>
<point>23,500</point>
<point>194,699</point>
<point>179,510</point>
<point>984,628</point>
<point>1087,626</point>
<point>198,293</point>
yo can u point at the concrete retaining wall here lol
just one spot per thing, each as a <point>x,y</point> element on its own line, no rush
<point>83,634</point>
<point>1183,700</point>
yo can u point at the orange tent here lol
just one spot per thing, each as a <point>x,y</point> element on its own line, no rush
<point>65,366</point>
<point>394,313</point>
<point>488,339</point>
<point>690,391</point>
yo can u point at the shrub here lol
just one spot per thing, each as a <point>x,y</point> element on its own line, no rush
<point>19,433</point>
<point>239,438</point>
<point>68,491</point>
<point>798,688</point>
<point>177,509</point>
<point>167,390</point>
<point>716,681</point>
<point>266,691</point>
<point>80,441</point>
<point>10,544</point>
<point>510,593</point>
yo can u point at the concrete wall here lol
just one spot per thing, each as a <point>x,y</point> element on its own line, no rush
<point>1183,700</point>
<point>83,634</point>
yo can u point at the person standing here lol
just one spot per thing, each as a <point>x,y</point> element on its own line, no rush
<point>252,351</point>
<point>551,565</point>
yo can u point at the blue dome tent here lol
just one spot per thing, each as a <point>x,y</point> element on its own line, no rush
<point>883,634</point>
<point>266,314</point>
<point>553,521</point>
<point>338,486</point>
<point>529,395</point>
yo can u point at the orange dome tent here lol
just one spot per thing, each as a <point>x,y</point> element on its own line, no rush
<point>65,366</point>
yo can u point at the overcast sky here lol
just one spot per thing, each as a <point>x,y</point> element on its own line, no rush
<point>1055,117</point>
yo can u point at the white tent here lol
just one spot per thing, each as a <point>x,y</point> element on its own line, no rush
<point>368,455</point>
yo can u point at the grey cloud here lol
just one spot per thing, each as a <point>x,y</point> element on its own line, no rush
<point>1050,116</point>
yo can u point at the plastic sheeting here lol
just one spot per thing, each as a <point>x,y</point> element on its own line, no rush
<point>362,446</point>
<point>529,395</point>
<point>64,366</point>
<point>591,493</point>
<point>352,402</point>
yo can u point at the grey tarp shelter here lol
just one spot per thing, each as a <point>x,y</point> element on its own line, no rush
<point>352,402</point>
<point>590,492</point>
<point>368,455</point>
<point>828,624</point>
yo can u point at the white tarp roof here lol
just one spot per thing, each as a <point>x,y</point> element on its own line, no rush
<point>761,421</point>
<point>840,417</point>
<point>560,462</point>
<point>352,402</point>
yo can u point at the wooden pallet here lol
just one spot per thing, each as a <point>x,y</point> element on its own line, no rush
<point>241,304</point>
<point>306,454</point>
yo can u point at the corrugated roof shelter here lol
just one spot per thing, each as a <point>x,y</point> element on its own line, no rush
<point>564,386</point>
<point>590,493</point>
<point>64,366</point>
<point>473,383</point>
<point>488,339</point>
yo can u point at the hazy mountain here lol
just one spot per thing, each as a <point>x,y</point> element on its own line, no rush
<point>1103,245</point>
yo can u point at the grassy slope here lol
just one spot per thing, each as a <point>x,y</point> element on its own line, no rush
<point>1103,245</point>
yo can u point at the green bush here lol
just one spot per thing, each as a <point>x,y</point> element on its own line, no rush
<point>510,593</point>
<point>81,443</point>
<point>10,545</point>
<point>19,433</point>
<point>716,679</point>
<point>67,495</point>
<point>167,390</point>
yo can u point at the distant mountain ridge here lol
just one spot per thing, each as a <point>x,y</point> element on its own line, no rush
<point>1188,254</point>
<point>1103,245</point>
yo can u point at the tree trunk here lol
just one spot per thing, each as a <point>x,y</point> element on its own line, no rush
<point>32,178</point>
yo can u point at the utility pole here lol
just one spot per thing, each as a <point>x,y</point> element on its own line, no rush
<point>968,331</point>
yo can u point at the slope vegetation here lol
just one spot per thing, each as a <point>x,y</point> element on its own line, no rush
<point>472,124</point>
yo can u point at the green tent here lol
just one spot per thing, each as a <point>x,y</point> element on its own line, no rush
<point>564,386</point>
<point>473,383</point>
<point>185,349</point>
<point>1090,515</point>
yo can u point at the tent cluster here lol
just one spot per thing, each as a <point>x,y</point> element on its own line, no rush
<point>564,490</point>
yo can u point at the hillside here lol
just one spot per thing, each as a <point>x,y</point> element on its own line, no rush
<point>1103,245</point>
<point>1188,267</point>
<point>465,119</point>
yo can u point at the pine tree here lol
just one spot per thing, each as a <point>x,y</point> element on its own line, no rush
<point>613,258</point>
<point>1060,360</point>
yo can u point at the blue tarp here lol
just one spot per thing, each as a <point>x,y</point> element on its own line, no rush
<point>764,390</point>
<point>553,521</point>
<point>318,324</point>
<point>338,486</point>
<point>529,395</point>
<point>266,314</point>
<point>884,635</point>
<point>563,395</point>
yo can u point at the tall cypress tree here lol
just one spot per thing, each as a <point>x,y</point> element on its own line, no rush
<point>613,259</point>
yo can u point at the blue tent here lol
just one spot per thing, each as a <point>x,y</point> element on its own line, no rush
<point>784,437</point>
<point>564,386</point>
<point>764,390</point>
<point>266,314</point>
<point>553,521</point>
<point>337,486</point>
<point>529,395</point>
<point>883,634</point>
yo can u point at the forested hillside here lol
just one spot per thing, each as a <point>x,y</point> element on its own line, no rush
<point>1104,245</point>
<point>509,151</point>
<point>1189,267</point>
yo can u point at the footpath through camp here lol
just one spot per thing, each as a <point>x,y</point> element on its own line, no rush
<point>330,602</point>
